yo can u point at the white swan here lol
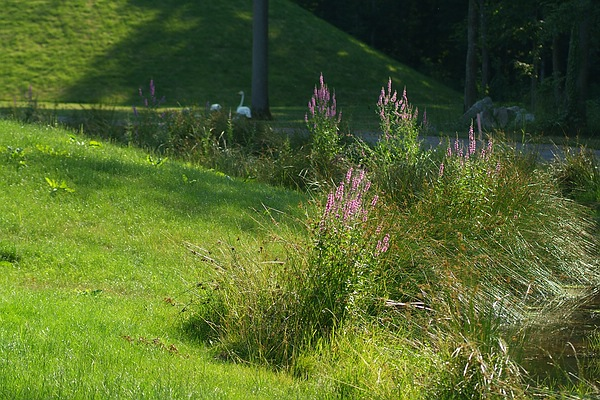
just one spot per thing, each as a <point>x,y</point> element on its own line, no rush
<point>243,110</point>
<point>215,107</point>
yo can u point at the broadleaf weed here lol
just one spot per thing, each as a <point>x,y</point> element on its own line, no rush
<point>56,186</point>
<point>156,162</point>
<point>16,155</point>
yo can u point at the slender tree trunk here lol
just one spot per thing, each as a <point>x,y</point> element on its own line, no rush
<point>372,24</point>
<point>578,68</point>
<point>570,79</point>
<point>583,72</point>
<point>260,60</point>
<point>471,63</point>
<point>534,73</point>
<point>485,56</point>
<point>556,71</point>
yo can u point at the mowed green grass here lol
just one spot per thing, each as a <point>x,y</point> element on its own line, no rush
<point>102,52</point>
<point>93,281</point>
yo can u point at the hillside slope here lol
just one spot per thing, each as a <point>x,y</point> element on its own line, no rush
<point>102,52</point>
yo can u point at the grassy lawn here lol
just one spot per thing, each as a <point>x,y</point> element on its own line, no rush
<point>94,280</point>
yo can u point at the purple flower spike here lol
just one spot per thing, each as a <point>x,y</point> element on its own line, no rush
<point>374,201</point>
<point>383,245</point>
<point>322,105</point>
<point>472,141</point>
<point>349,174</point>
<point>330,203</point>
<point>339,193</point>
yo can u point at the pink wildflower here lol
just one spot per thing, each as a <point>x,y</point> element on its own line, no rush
<point>382,245</point>
<point>339,193</point>
<point>472,141</point>
<point>457,146</point>
<point>330,203</point>
<point>349,175</point>
<point>374,201</point>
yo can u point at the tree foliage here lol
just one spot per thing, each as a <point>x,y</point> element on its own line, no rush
<point>540,53</point>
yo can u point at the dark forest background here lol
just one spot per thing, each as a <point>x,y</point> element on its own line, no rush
<point>541,54</point>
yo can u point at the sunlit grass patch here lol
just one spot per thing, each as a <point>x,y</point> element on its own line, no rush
<point>94,280</point>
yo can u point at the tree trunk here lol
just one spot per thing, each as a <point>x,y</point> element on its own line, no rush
<point>471,63</point>
<point>260,60</point>
<point>578,69</point>
<point>583,72</point>
<point>535,62</point>
<point>556,71</point>
<point>485,56</point>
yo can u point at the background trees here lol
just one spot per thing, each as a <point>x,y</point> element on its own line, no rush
<point>543,54</point>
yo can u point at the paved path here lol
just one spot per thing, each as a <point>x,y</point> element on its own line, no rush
<point>547,152</point>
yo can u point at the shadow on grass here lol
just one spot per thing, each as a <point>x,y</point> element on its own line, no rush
<point>198,52</point>
<point>179,192</point>
<point>178,45</point>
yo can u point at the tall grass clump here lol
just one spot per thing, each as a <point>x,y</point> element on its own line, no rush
<point>578,175</point>
<point>497,224</point>
<point>246,308</point>
<point>477,355</point>
<point>270,309</point>
<point>488,240</point>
